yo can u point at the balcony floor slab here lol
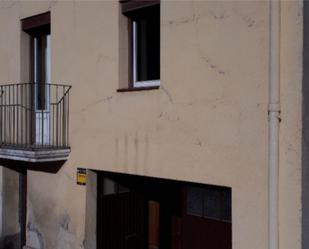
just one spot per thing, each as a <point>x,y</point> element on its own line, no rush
<point>35,155</point>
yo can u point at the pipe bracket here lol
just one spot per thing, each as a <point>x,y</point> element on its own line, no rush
<point>274,107</point>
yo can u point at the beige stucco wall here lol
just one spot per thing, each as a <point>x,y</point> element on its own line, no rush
<point>290,126</point>
<point>207,123</point>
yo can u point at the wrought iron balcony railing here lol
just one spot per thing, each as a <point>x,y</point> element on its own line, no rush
<point>34,116</point>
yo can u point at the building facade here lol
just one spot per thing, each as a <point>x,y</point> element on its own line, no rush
<point>186,118</point>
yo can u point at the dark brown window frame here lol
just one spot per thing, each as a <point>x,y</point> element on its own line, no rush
<point>131,5</point>
<point>37,24</point>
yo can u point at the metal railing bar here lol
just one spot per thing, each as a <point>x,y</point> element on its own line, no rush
<point>22,125</point>
<point>10,112</point>
<point>17,115</point>
<point>63,117</point>
<point>35,83</point>
<point>68,131</point>
<point>57,116</point>
<point>64,95</point>
<point>1,115</point>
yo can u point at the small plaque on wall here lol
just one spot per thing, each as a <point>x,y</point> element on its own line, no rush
<point>81,176</point>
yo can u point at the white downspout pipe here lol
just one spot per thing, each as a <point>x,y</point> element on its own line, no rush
<point>273,124</point>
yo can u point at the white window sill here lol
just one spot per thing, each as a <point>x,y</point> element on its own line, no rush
<point>148,83</point>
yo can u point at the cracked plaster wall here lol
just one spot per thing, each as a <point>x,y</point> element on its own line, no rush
<point>207,123</point>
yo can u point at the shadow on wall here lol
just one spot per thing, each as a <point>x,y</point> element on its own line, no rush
<point>10,242</point>
<point>20,166</point>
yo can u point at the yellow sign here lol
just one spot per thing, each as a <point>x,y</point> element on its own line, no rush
<point>81,176</point>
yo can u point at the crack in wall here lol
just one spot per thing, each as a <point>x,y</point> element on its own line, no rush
<point>205,58</point>
<point>213,66</point>
<point>168,94</point>
<point>105,99</point>
<point>194,18</point>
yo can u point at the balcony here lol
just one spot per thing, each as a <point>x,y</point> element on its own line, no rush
<point>34,122</point>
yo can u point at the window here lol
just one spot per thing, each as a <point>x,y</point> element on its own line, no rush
<point>111,187</point>
<point>209,202</point>
<point>38,27</point>
<point>144,42</point>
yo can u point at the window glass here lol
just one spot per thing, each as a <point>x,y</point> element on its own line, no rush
<point>109,187</point>
<point>226,207</point>
<point>209,202</point>
<point>147,28</point>
<point>195,201</point>
<point>122,189</point>
<point>213,202</point>
<point>41,68</point>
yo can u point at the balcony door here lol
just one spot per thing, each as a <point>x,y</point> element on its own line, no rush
<point>38,29</point>
<point>41,79</point>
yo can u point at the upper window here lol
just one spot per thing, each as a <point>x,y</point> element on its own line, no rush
<point>144,42</point>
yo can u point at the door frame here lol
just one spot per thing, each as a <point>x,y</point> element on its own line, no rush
<point>36,25</point>
<point>41,117</point>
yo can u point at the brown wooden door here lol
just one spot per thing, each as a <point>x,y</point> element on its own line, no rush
<point>151,214</point>
<point>121,221</point>
<point>202,233</point>
<point>177,232</point>
<point>153,224</point>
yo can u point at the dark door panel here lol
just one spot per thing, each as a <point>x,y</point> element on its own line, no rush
<point>146,213</point>
<point>202,233</point>
<point>122,221</point>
